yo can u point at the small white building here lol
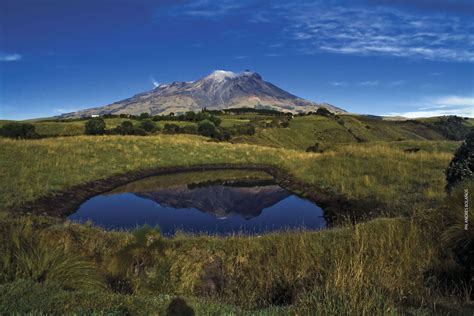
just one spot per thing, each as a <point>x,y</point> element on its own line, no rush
<point>94,115</point>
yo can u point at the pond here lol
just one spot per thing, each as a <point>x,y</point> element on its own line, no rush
<point>212,202</point>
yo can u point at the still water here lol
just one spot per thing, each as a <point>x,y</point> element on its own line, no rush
<point>213,202</point>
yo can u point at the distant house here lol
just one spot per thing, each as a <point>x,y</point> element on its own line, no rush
<point>95,115</point>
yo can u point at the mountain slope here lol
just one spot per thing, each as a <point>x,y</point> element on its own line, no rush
<point>219,90</point>
<point>220,201</point>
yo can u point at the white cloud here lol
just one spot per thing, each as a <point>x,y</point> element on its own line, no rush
<point>455,101</point>
<point>207,8</point>
<point>370,83</point>
<point>446,105</point>
<point>380,31</point>
<point>338,83</point>
<point>396,83</point>
<point>9,57</point>
<point>155,83</point>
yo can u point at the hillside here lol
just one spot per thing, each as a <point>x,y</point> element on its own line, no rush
<point>302,131</point>
<point>305,131</point>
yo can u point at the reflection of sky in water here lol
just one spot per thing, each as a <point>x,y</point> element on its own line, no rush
<point>127,210</point>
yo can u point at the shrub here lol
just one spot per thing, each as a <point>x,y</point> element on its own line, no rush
<point>206,128</point>
<point>148,126</point>
<point>461,166</point>
<point>314,149</point>
<point>222,134</point>
<point>127,128</point>
<point>188,129</point>
<point>323,112</point>
<point>144,115</point>
<point>95,126</point>
<point>215,120</point>
<point>171,128</point>
<point>190,116</point>
<point>138,131</point>
<point>138,255</point>
<point>18,130</point>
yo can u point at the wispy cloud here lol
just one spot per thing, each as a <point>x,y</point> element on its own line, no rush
<point>155,83</point>
<point>396,83</point>
<point>9,57</point>
<point>370,83</point>
<point>381,31</point>
<point>446,105</point>
<point>209,8</point>
<point>241,57</point>
<point>338,83</point>
<point>351,28</point>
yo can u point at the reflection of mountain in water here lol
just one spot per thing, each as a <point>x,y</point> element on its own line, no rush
<point>219,200</point>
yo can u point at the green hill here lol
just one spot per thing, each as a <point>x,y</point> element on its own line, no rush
<point>305,131</point>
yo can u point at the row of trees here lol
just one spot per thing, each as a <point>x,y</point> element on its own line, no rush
<point>97,126</point>
<point>18,130</point>
<point>206,127</point>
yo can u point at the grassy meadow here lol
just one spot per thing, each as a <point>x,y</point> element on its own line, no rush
<point>381,172</point>
<point>401,262</point>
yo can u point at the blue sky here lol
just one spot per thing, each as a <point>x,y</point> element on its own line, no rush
<point>398,57</point>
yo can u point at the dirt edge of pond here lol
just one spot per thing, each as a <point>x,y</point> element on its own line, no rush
<point>65,202</point>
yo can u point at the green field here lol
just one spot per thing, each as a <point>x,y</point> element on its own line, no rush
<point>356,171</point>
<point>394,264</point>
<point>328,131</point>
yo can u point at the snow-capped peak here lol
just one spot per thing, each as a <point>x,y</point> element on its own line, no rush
<point>220,75</point>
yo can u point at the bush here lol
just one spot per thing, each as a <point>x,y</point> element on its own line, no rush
<point>144,115</point>
<point>206,128</point>
<point>323,112</point>
<point>285,124</point>
<point>171,128</point>
<point>148,126</point>
<point>215,120</point>
<point>18,130</point>
<point>95,126</point>
<point>138,131</point>
<point>314,149</point>
<point>221,134</point>
<point>461,166</point>
<point>188,129</point>
<point>190,116</point>
<point>127,128</point>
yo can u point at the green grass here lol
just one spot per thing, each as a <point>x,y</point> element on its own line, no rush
<point>372,171</point>
<point>75,128</point>
<point>378,267</point>
<point>383,266</point>
<point>187,178</point>
<point>328,131</point>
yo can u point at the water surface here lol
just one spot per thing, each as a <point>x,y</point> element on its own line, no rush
<point>213,202</point>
